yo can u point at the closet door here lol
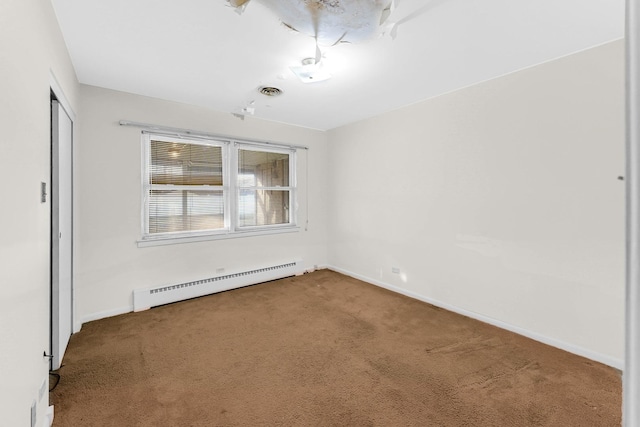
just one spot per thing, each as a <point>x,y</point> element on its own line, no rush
<point>61,232</point>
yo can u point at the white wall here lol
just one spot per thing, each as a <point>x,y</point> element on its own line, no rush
<point>109,264</point>
<point>500,200</point>
<point>30,47</point>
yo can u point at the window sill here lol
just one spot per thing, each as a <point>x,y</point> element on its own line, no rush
<point>162,241</point>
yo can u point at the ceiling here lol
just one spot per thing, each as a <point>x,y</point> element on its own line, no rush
<point>203,52</point>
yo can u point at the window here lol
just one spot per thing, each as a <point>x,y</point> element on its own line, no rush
<point>264,191</point>
<point>205,187</point>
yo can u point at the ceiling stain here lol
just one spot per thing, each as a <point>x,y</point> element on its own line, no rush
<point>329,21</point>
<point>331,5</point>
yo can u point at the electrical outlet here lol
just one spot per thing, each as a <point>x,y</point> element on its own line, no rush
<point>395,270</point>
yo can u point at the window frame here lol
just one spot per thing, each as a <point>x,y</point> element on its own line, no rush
<point>230,189</point>
<point>291,188</point>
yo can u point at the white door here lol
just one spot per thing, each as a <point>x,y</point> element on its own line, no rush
<point>61,232</point>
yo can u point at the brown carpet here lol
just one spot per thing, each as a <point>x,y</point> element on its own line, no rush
<point>322,349</point>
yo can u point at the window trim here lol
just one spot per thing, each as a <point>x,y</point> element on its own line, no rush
<point>236,228</point>
<point>230,188</point>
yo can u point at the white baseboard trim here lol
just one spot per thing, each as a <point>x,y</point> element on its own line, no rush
<point>103,314</point>
<point>316,268</point>
<point>589,354</point>
<point>48,420</point>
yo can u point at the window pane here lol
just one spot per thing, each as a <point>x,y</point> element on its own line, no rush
<point>176,211</point>
<point>261,207</point>
<point>185,164</point>
<point>263,169</point>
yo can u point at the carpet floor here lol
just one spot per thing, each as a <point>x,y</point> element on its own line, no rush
<point>322,349</point>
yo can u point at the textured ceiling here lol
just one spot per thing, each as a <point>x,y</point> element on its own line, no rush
<point>202,52</point>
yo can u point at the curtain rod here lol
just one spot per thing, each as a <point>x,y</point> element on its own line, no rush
<point>196,133</point>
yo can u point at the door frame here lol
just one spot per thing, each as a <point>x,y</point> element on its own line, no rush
<point>58,94</point>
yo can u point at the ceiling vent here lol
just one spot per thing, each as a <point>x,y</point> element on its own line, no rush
<point>270,91</point>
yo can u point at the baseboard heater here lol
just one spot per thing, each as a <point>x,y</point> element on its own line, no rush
<point>144,299</point>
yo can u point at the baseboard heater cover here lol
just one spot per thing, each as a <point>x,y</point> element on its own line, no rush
<point>144,299</point>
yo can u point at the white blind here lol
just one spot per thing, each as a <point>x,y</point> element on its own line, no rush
<point>186,190</point>
<point>185,164</point>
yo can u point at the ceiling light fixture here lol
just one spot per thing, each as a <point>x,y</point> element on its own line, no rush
<point>311,71</point>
